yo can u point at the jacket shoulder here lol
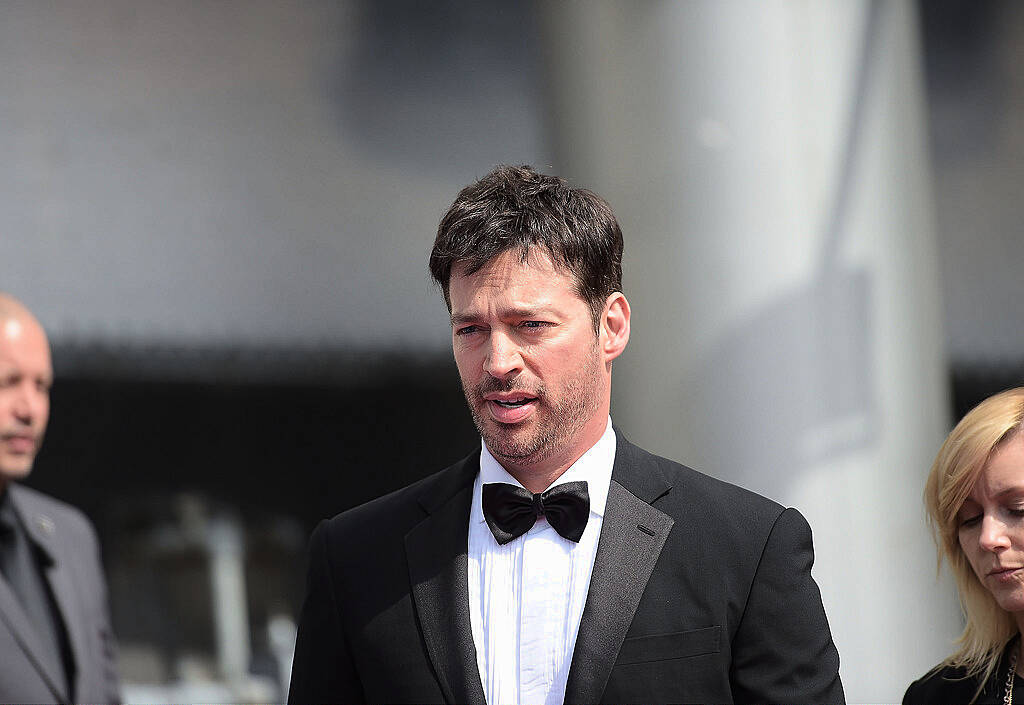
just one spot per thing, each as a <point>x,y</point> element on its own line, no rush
<point>33,502</point>
<point>944,684</point>
<point>398,511</point>
<point>698,490</point>
<point>713,513</point>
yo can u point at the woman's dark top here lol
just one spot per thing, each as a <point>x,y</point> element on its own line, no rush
<point>947,686</point>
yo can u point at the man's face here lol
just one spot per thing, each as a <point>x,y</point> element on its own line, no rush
<point>25,378</point>
<point>529,359</point>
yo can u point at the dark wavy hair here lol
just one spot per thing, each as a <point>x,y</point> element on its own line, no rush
<point>516,208</point>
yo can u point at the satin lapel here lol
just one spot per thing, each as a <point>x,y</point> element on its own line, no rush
<point>632,536</point>
<point>436,549</point>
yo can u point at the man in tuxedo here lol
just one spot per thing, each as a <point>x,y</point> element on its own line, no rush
<point>56,645</point>
<point>558,562</point>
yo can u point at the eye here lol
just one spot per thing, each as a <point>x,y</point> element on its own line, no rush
<point>534,324</point>
<point>465,330</point>
<point>970,521</point>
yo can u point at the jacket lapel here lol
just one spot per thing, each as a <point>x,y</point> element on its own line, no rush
<point>632,536</point>
<point>14,617</point>
<point>59,575</point>
<point>436,549</point>
<point>40,529</point>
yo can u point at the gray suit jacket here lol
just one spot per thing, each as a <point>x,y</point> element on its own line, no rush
<point>28,674</point>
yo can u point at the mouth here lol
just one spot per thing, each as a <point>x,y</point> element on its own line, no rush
<point>20,444</point>
<point>513,402</point>
<point>510,407</point>
<point>1001,573</point>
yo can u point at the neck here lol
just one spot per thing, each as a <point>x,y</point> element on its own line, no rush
<point>538,474</point>
<point>536,480</point>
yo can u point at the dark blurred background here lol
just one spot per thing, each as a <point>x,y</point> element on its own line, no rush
<point>221,212</point>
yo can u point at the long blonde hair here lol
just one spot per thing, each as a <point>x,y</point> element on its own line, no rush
<point>957,467</point>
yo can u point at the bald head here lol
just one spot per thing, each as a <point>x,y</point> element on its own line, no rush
<point>10,306</point>
<point>17,322</point>
<point>26,374</point>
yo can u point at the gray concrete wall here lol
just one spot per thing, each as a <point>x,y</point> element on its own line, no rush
<point>249,172</point>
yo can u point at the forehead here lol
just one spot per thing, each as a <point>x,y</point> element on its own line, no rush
<point>11,328</point>
<point>512,274</point>
<point>1004,470</point>
<point>23,344</point>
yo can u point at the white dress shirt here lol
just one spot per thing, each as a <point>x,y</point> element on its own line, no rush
<point>526,598</point>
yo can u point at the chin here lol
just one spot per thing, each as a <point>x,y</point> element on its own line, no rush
<point>507,447</point>
<point>1013,605</point>
<point>15,471</point>
<point>515,444</point>
<point>1012,601</point>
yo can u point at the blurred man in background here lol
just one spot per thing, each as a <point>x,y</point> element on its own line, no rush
<point>557,563</point>
<point>56,644</point>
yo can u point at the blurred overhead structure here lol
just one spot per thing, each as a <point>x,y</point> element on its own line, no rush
<point>768,163</point>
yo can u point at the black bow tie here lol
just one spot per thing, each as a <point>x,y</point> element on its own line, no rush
<point>510,511</point>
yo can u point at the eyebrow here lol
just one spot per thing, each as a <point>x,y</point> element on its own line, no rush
<point>460,318</point>
<point>1000,494</point>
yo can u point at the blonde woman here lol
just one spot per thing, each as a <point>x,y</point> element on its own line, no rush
<point>975,502</point>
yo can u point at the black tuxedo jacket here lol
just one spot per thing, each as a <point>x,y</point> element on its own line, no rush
<point>701,592</point>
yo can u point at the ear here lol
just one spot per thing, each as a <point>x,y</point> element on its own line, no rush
<point>614,332</point>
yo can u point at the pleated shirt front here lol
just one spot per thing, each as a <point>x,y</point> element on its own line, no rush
<point>526,598</point>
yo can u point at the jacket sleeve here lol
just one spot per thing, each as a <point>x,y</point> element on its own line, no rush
<point>322,669</point>
<point>782,649</point>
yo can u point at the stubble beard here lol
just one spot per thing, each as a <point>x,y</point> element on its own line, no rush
<point>557,421</point>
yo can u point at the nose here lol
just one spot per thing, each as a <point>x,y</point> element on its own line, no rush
<point>29,403</point>
<point>503,357</point>
<point>993,535</point>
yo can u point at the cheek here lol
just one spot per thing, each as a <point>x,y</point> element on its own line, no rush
<point>969,547</point>
<point>469,368</point>
<point>464,358</point>
<point>565,358</point>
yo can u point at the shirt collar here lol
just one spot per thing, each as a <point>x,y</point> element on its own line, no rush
<point>594,466</point>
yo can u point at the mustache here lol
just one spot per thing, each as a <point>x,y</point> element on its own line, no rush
<point>19,433</point>
<point>493,384</point>
<point>19,430</point>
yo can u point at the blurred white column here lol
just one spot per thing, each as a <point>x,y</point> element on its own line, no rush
<point>226,546</point>
<point>767,161</point>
